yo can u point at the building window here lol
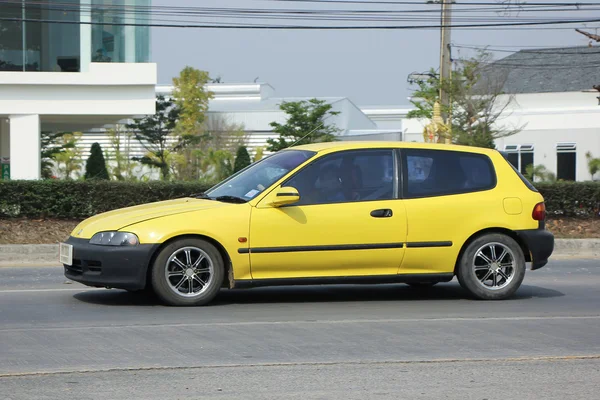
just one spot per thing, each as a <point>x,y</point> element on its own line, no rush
<point>31,45</point>
<point>566,160</point>
<point>520,156</point>
<point>114,42</point>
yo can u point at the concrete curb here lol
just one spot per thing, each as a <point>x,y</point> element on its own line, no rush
<point>22,255</point>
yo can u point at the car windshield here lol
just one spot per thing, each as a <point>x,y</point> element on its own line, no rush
<point>248,183</point>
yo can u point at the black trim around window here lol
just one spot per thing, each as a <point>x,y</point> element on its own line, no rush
<point>406,152</point>
<point>412,245</point>
<point>396,189</point>
<point>343,247</point>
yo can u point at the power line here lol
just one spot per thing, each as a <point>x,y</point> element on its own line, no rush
<point>507,46</point>
<point>581,53</point>
<point>302,27</point>
<point>178,10</point>
<point>131,15</point>
<point>409,2</point>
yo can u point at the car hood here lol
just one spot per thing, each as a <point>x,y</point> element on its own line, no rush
<point>123,217</point>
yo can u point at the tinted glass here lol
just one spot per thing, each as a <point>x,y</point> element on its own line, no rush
<point>349,176</point>
<point>259,176</point>
<point>565,168</point>
<point>26,44</point>
<point>440,172</point>
<point>513,158</point>
<point>523,179</point>
<point>526,160</point>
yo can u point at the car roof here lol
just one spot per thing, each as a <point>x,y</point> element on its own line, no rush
<point>352,145</point>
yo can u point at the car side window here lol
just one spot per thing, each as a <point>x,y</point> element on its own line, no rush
<point>445,172</point>
<point>348,176</point>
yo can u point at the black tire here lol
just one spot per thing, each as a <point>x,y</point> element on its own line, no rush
<point>166,290</point>
<point>471,280</point>
<point>422,285</point>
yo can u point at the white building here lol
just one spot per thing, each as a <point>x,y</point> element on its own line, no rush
<point>255,106</point>
<point>77,76</point>
<point>68,74</point>
<point>555,104</point>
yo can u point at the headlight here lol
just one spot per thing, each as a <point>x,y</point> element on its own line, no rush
<point>115,239</point>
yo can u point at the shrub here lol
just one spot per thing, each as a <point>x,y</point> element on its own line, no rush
<point>242,159</point>
<point>82,199</point>
<point>571,199</point>
<point>95,167</point>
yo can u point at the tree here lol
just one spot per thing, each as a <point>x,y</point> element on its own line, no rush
<point>305,124</point>
<point>52,145</point>
<point>593,164</point>
<point>153,133</point>
<point>477,101</point>
<point>192,99</point>
<point>124,164</point>
<point>222,134</point>
<point>259,154</point>
<point>242,159</point>
<point>68,161</point>
<point>539,173</point>
<point>216,165</point>
<point>95,167</point>
<point>222,139</point>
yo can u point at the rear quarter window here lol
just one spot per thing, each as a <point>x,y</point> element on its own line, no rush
<point>445,172</point>
<point>520,175</point>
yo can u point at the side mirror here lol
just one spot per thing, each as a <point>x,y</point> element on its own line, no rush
<point>285,195</point>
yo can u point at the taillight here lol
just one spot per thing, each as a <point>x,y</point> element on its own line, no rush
<point>539,212</point>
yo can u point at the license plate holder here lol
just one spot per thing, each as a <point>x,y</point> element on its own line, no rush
<point>66,254</point>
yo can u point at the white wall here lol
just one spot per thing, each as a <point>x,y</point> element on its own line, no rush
<point>546,119</point>
<point>25,157</point>
<point>107,89</point>
<point>4,138</point>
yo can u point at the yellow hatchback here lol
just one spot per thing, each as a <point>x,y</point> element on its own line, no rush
<point>341,212</point>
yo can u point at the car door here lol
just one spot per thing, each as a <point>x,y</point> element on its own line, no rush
<point>446,195</point>
<point>348,221</point>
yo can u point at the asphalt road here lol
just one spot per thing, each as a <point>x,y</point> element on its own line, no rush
<point>62,340</point>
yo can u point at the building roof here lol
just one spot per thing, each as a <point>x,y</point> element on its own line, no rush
<point>563,69</point>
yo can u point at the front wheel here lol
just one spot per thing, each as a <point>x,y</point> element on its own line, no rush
<point>188,272</point>
<point>492,267</point>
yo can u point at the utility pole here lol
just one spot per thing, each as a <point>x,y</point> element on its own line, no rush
<point>445,60</point>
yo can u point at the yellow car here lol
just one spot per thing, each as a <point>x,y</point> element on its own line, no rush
<point>336,212</point>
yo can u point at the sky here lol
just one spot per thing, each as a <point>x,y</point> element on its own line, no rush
<point>370,67</point>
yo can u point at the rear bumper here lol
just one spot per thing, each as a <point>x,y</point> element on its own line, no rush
<point>540,243</point>
<point>109,266</point>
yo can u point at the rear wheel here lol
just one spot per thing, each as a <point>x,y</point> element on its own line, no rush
<point>492,267</point>
<point>188,272</point>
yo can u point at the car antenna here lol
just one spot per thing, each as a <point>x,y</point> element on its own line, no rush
<point>303,137</point>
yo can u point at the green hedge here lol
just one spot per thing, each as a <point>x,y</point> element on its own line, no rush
<point>571,199</point>
<point>81,199</point>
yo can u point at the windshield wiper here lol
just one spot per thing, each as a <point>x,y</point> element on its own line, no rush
<point>230,199</point>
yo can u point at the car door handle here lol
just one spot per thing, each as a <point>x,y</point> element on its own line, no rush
<point>383,213</point>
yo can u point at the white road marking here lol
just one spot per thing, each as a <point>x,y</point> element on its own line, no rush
<point>47,290</point>
<point>299,322</point>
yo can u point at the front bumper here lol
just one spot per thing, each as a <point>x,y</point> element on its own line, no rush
<point>109,266</point>
<point>540,243</point>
